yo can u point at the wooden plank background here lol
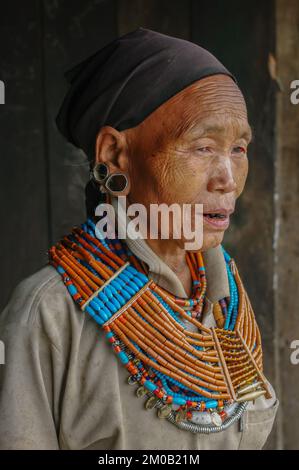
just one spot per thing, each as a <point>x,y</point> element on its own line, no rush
<point>43,177</point>
<point>287,228</point>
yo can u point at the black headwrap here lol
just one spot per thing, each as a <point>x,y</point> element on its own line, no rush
<point>128,79</point>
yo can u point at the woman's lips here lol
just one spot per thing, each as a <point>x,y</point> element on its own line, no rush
<point>222,222</point>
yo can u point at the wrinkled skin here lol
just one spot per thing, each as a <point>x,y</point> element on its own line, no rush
<point>206,163</point>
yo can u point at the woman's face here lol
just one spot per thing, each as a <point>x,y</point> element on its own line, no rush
<point>206,163</point>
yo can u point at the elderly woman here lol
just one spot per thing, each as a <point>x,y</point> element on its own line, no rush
<point>140,343</point>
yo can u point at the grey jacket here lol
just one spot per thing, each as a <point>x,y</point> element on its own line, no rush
<point>62,386</point>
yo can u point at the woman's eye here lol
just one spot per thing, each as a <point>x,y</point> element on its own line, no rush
<point>204,149</point>
<point>239,149</point>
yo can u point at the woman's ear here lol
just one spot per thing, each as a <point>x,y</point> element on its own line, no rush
<point>111,148</point>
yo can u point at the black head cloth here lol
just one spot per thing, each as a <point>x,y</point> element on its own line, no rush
<point>125,81</point>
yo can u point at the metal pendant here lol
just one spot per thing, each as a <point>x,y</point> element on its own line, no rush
<point>141,391</point>
<point>151,402</point>
<point>216,419</point>
<point>131,380</point>
<point>164,411</point>
<point>180,416</point>
<point>201,417</point>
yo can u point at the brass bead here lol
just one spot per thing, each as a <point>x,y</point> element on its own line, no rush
<point>251,396</point>
<point>248,388</point>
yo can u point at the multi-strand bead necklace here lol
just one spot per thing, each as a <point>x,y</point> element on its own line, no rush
<point>199,380</point>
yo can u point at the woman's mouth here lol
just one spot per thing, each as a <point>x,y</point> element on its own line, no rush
<point>217,220</point>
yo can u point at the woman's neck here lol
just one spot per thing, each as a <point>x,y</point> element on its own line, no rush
<point>175,258</point>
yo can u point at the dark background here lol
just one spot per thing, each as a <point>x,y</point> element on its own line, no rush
<point>42,178</point>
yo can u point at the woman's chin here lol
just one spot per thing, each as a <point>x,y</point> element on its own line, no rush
<point>211,240</point>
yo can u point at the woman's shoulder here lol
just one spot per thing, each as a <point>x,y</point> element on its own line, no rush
<point>38,299</point>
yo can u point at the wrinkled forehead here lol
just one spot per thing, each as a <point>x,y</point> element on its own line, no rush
<point>210,104</point>
<point>224,123</point>
<point>215,93</point>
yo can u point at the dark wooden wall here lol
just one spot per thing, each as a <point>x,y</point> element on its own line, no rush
<point>43,177</point>
<point>286,247</point>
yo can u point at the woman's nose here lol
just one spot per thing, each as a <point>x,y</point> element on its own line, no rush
<point>222,177</point>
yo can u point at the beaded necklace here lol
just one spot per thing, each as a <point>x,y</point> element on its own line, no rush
<point>200,381</point>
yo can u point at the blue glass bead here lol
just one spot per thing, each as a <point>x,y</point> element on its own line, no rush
<point>91,223</point>
<point>123,276</point>
<point>98,310</point>
<point>96,307</point>
<point>120,281</point>
<point>126,275</point>
<point>102,306</point>
<point>131,282</point>
<point>149,385</point>
<point>134,286</point>
<point>113,290</point>
<point>132,270</point>
<point>111,307</point>
<point>107,292</point>
<point>143,277</point>
<point>116,284</point>
<point>139,283</point>
<point>116,302</point>
<point>103,297</point>
<point>99,302</point>
<point>179,401</point>
<point>129,290</point>
<point>136,278</point>
<point>126,295</point>
<point>89,310</point>
<point>121,299</point>
<point>123,357</point>
<point>109,334</point>
<point>72,289</point>
<point>211,404</point>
